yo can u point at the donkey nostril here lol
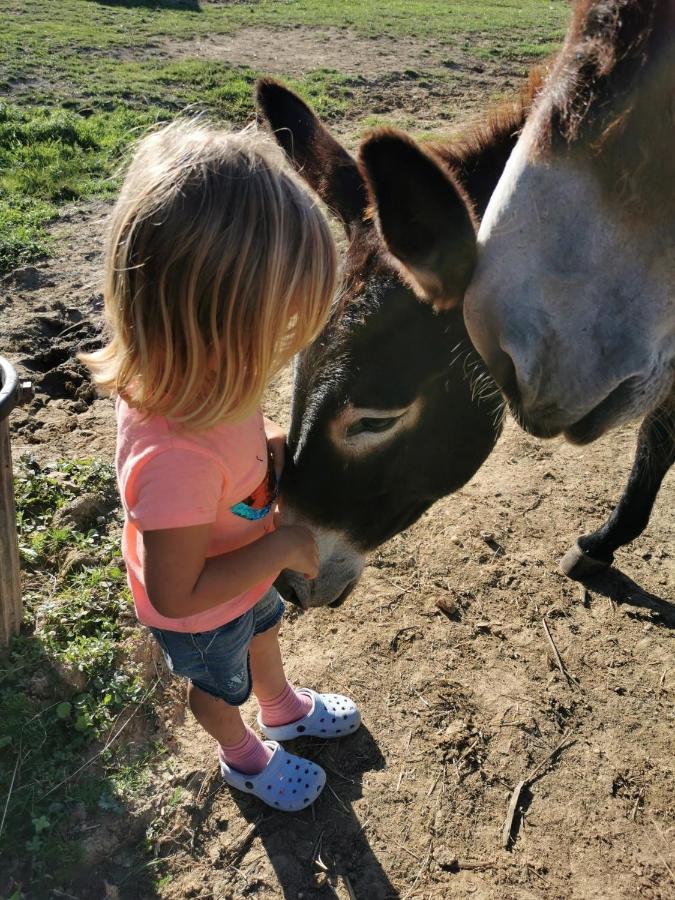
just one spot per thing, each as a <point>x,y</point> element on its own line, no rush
<point>292,597</point>
<point>284,584</point>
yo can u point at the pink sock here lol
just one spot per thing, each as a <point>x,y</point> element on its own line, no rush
<point>249,755</point>
<point>289,706</point>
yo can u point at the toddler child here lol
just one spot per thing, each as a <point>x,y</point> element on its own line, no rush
<point>219,269</point>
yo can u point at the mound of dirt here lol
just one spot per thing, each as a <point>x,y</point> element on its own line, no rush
<point>50,312</point>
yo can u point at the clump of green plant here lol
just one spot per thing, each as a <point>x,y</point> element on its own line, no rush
<point>60,154</point>
<point>40,493</point>
<point>49,157</point>
<point>67,684</point>
<point>22,230</point>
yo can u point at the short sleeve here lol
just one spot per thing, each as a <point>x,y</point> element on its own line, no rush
<point>176,488</point>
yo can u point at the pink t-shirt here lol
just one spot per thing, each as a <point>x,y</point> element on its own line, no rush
<point>170,478</point>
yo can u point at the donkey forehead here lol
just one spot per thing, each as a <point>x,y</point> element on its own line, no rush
<point>379,351</point>
<point>545,209</point>
<point>383,344</point>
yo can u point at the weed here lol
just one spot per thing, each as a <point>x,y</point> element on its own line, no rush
<point>65,682</point>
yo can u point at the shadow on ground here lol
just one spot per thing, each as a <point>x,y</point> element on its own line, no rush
<point>326,846</point>
<point>621,589</point>
<point>190,5</point>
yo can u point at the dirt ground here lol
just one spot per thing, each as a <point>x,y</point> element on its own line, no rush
<point>392,76</point>
<point>457,709</point>
<point>428,85</point>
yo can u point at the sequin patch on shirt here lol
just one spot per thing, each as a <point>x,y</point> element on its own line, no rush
<point>258,504</point>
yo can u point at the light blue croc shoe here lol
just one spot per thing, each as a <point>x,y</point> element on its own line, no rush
<point>287,783</point>
<point>331,716</point>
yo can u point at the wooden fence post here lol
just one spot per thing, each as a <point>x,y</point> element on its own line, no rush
<point>11,394</point>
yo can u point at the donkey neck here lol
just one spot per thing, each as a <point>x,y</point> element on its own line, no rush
<point>610,104</point>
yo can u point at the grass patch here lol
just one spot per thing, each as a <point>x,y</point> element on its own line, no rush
<point>66,681</point>
<point>57,155</point>
<point>23,236</point>
<point>97,24</point>
<point>69,149</point>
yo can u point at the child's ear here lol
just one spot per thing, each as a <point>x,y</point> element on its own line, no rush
<point>324,163</point>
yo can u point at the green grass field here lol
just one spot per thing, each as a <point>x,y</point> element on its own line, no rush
<point>75,89</point>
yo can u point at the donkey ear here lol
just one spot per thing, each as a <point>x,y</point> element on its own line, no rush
<point>318,157</point>
<point>423,215</point>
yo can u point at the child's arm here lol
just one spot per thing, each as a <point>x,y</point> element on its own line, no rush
<point>276,441</point>
<point>181,581</point>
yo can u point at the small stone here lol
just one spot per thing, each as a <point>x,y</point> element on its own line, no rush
<point>39,686</point>
<point>82,512</point>
<point>447,606</point>
<point>446,859</point>
<point>77,560</point>
<point>455,732</point>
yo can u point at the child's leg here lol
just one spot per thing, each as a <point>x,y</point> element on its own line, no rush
<point>267,668</point>
<point>279,702</point>
<point>284,712</point>
<point>223,722</point>
<point>239,746</point>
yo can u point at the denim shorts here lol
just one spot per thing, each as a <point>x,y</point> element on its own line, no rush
<point>217,661</point>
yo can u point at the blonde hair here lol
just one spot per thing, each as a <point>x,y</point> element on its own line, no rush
<point>219,268</point>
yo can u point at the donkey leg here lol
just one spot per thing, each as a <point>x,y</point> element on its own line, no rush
<point>655,454</point>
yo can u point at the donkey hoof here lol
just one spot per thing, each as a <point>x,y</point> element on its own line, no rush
<point>577,564</point>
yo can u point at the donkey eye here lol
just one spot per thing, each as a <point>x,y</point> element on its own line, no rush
<point>372,425</point>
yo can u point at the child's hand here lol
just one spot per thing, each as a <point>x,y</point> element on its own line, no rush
<point>276,441</point>
<point>302,552</point>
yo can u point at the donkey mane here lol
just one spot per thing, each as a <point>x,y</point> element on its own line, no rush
<point>609,43</point>
<point>475,158</point>
<point>476,155</point>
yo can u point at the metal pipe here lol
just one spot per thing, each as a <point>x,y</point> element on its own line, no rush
<point>10,389</point>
